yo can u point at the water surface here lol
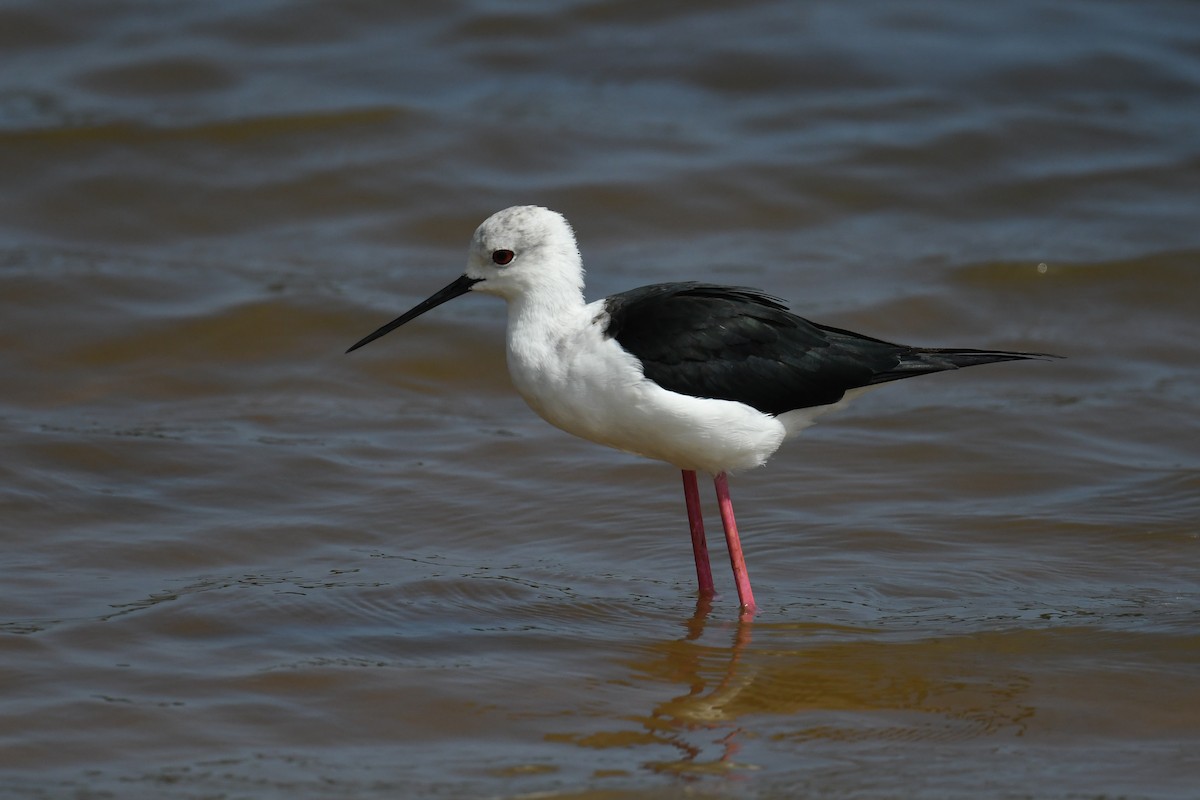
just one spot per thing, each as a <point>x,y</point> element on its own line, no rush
<point>238,563</point>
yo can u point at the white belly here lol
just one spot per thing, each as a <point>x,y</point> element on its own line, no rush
<point>590,387</point>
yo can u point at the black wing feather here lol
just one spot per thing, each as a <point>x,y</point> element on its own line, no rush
<point>736,343</point>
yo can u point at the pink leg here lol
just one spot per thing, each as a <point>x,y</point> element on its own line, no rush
<point>691,496</point>
<point>740,576</point>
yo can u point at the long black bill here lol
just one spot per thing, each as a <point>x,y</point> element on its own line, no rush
<point>460,286</point>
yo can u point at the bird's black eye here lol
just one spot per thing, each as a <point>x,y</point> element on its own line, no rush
<point>502,257</point>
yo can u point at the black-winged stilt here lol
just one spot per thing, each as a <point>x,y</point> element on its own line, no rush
<point>701,376</point>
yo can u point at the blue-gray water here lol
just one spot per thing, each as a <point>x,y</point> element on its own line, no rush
<point>238,563</point>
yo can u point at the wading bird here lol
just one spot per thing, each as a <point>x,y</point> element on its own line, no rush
<point>708,378</point>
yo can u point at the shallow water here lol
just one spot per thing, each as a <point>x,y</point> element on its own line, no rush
<point>238,563</point>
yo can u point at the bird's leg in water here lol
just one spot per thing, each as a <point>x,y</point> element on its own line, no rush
<point>691,496</point>
<point>740,576</point>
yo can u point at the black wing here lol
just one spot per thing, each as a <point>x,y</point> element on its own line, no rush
<point>735,343</point>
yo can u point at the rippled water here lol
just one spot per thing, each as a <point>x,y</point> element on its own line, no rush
<point>238,563</point>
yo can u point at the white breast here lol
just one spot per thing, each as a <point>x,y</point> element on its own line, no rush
<point>587,385</point>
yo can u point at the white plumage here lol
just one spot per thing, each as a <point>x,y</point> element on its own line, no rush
<point>708,378</point>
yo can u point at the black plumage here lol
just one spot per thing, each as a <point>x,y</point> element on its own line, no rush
<point>735,343</point>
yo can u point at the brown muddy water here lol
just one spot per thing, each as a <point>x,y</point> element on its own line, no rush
<point>238,563</point>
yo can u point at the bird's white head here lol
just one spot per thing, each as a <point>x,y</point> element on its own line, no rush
<point>524,250</point>
<point>525,254</point>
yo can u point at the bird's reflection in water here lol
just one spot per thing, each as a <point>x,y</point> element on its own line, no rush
<point>710,699</point>
<point>714,676</point>
<point>793,682</point>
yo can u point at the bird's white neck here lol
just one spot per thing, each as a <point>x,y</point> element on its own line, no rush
<point>543,327</point>
<point>546,313</point>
